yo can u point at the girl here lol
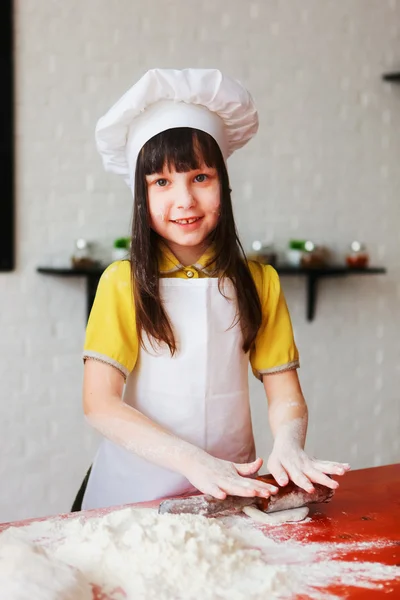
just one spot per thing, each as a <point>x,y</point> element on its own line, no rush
<point>173,329</point>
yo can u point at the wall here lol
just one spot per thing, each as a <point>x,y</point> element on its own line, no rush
<point>324,166</point>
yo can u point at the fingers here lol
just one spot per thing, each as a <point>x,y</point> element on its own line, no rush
<point>328,482</point>
<point>236,489</point>
<point>263,489</point>
<point>249,468</point>
<point>222,478</point>
<point>304,471</point>
<point>277,471</point>
<point>301,480</point>
<point>332,468</point>
<point>214,491</point>
<point>250,487</point>
<point>307,473</point>
<point>319,477</point>
<point>247,487</point>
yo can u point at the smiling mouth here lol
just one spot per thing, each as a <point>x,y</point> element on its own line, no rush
<point>186,221</point>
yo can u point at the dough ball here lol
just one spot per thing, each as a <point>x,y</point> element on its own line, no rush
<point>277,518</point>
<point>28,572</point>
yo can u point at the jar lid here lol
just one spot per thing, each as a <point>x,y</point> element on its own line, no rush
<point>357,246</point>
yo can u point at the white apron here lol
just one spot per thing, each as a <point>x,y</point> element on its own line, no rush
<point>201,395</point>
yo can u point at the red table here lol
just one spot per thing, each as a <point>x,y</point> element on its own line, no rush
<point>366,508</point>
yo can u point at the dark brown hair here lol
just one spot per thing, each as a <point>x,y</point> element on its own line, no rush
<point>186,149</point>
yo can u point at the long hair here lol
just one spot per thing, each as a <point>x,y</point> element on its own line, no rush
<point>186,149</point>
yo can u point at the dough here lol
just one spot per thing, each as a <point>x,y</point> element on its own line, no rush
<point>276,518</point>
<point>27,572</point>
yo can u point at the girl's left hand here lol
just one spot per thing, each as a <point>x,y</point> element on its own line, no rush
<point>292,463</point>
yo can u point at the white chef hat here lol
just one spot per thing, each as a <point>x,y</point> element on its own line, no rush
<point>162,99</point>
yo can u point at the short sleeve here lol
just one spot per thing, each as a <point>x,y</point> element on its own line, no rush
<point>111,335</point>
<point>274,349</point>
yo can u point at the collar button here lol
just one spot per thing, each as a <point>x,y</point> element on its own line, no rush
<point>189,274</point>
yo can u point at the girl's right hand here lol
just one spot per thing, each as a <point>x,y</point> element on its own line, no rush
<point>219,478</point>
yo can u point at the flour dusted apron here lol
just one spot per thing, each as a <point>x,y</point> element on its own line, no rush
<point>200,395</point>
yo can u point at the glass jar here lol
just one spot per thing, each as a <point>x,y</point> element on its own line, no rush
<point>81,257</point>
<point>263,253</point>
<point>357,257</point>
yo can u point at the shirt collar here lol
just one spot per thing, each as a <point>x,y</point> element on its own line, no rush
<point>168,263</point>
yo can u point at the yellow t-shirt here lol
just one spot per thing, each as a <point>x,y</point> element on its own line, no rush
<point>111,334</point>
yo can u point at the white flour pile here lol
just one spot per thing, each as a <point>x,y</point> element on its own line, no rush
<point>170,557</point>
<point>27,571</point>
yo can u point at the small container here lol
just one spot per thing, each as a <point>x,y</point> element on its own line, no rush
<point>314,256</point>
<point>297,250</point>
<point>358,257</point>
<point>294,257</point>
<point>121,248</point>
<point>81,258</point>
<point>263,253</point>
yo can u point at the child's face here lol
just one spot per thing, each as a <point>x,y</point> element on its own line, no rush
<point>184,207</point>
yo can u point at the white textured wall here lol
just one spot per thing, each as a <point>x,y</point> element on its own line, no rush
<point>324,166</point>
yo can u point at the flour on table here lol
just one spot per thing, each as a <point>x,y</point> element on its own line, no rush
<point>137,554</point>
<point>27,572</point>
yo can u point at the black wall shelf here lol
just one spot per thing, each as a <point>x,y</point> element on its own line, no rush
<point>312,275</point>
<point>392,77</point>
<point>91,275</point>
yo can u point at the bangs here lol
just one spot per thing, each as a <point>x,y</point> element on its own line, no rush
<point>182,149</point>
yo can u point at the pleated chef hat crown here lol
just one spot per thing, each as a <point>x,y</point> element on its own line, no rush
<point>162,99</point>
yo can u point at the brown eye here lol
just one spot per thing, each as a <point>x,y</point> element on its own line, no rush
<point>161,182</point>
